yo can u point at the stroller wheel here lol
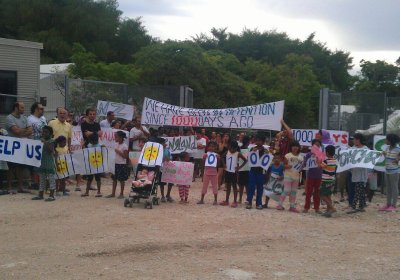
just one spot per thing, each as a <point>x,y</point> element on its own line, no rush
<point>126,202</point>
<point>131,203</point>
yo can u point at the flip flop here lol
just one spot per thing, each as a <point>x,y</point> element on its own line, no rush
<point>98,195</point>
<point>84,194</point>
<point>109,196</point>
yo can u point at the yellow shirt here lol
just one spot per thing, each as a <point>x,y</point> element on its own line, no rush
<point>60,128</point>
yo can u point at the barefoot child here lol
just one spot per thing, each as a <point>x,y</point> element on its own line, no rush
<point>210,174</point>
<point>184,189</point>
<point>93,142</point>
<point>61,149</point>
<point>329,166</point>
<point>121,168</point>
<point>231,172</point>
<point>47,170</point>
<point>293,164</point>
<point>274,187</point>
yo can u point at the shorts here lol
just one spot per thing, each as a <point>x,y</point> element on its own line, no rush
<point>121,172</point>
<point>12,165</point>
<point>327,188</point>
<point>230,178</point>
<point>243,178</point>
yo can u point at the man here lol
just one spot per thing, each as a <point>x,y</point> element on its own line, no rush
<point>90,126</point>
<point>37,120</point>
<point>60,125</point>
<point>107,122</point>
<point>137,134</point>
<point>17,126</point>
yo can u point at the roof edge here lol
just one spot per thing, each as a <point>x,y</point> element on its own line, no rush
<point>21,43</point>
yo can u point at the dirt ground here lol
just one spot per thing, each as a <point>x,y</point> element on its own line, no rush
<point>88,238</point>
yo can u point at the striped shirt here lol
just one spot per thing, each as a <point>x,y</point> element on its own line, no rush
<point>392,160</point>
<point>329,170</point>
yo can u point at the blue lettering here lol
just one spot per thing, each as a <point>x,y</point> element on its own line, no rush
<point>29,152</point>
<point>16,146</point>
<point>6,151</point>
<point>38,150</point>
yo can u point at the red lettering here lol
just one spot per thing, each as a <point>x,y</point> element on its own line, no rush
<point>344,139</point>
<point>336,136</point>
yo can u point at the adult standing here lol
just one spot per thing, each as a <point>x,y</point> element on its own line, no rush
<point>60,125</point>
<point>198,155</point>
<point>108,121</point>
<point>37,120</point>
<point>359,177</point>
<point>138,134</point>
<point>90,126</point>
<point>17,126</point>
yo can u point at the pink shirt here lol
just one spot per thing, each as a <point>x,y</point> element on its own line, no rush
<point>209,170</point>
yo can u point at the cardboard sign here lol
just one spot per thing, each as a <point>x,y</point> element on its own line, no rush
<point>305,136</point>
<point>274,185</point>
<point>122,111</point>
<point>107,137</point>
<point>152,154</point>
<point>256,161</point>
<point>231,162</point>
<point>211,159</point>
<point>181,144</point>
<point>362,158</point>
<point>177,172</point>
<point>261,116</point>
<point>246,167</point>
<point>21,150</point>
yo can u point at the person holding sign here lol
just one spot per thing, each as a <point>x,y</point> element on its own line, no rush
<point>274,187</point>
<point>256,175</point>
<point>184,189</point>
<point>210,175</point>
<point>243,174</point>
<point>329,166</point>
<point>293,164</point>
<point>138,134</point>
<point>231,169</point>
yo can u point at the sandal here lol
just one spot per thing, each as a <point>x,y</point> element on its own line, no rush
<point>224,203</point>
<point>98,195</point>
<point>248,206</point>
<point>200,202</point>
<point>84,194</point>
<point>109,196</point>
<point>50,198</point>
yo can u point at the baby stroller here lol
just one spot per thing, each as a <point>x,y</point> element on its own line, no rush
<point>148,188</point>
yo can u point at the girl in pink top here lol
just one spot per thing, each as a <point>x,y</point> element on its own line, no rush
<point>210,172</point>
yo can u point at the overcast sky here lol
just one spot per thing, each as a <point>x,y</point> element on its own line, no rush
<point>369,29</point>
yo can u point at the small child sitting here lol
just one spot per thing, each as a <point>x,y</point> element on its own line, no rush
<point>145,177</point>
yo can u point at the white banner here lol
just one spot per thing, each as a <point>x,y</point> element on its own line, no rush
<point>152,154</point>
<point>21,150</point>
<point>211,159</point>
<point>305,136</point>
<point>362,158</point>
<point>261,116</point>
<point>122,111</point>
<point>181,144</point>
<point>107,137</point>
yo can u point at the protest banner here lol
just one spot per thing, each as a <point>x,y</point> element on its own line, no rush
<point>246,167</point>
<point>181,144</point>
<point>362,158</point>
<point>177,172</point>
<point>380,145</point>
<point>274,185</point>
<point>211,160</point>
<point>151,154</point>
<point>21,150</point>
<point>122,111</point>
<point>107,137</point>
<point>305,136</point>
<point>76,138</point>
<point>255,160</point>
<point>261,116</point>
<point>69,165</point>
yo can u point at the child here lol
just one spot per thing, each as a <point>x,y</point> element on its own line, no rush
<point>243,174</point>
<point>93,142</point>
<point>210,173</point>
<point>256,176</point>
<point>274,187</point>
<point>328,180</point>
<point>166,157</point>
<point>293,164</point>
<point>392,157</point>
<point>184,189</point>
<point>232,156</point>
<point>144,177</point>
<point>46,170</point>
<point>61,149</point>
<point>121,168</point>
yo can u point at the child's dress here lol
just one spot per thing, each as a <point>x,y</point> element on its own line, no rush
<point>47,169</point>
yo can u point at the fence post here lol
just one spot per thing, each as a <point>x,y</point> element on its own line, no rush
<point>66,90</point>
<point>385,114</point>
<point>323,108</point>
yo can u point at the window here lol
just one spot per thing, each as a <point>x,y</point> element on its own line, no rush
<point>8,86</point>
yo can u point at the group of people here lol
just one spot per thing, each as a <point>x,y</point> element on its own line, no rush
<point>280,181</point>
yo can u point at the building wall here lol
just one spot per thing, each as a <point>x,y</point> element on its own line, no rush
<point>23,57</point>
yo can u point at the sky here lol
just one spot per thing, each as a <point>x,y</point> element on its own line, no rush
<point>368,29</point>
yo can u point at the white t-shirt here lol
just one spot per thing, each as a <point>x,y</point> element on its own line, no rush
<point>198,153</point>
<point>121,147</point>
<point>105,124</point>
<point>37,125</point>
<point>137,133</point>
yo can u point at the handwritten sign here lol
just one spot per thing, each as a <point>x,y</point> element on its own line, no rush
<point>107,137</point>
<point>380,145</point>
<point>211,159</point>
<point>177,172</point>
<point>246,167</point>
<point>122,111</point>
<point>362,158</point>
<point>305,136</point>
<point>274,185</point>
<point>231,162</point>
<point>181,144</point>
<point>21,150</point>
<point>255,160</point>
<point>311,163</point>
<point>152,154</point>
<point>77,138</point>
<point>67,166</point>
<point>261,116</point>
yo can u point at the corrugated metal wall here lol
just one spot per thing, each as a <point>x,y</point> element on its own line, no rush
<point>23,57</point>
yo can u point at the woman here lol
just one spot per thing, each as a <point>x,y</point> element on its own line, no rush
<point>222,150</point>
